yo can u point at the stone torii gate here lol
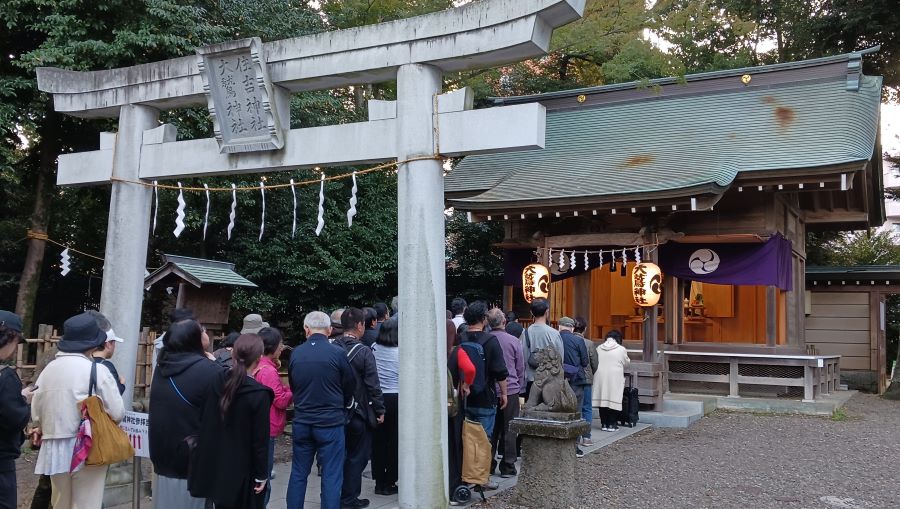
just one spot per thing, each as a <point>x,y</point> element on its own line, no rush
<point>247,85</point>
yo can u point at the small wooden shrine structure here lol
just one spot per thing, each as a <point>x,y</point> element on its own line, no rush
<point>846,316</point>
<point>717,178</point>
<point>204,286</point>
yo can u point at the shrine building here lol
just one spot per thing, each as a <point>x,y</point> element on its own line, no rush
<point>717,178</point>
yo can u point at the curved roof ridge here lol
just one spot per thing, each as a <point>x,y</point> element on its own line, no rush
<point>688,78</point>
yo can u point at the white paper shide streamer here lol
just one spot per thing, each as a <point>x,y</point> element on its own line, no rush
<point>572,261</point>
<point>233,214</point>
<point>262,221</point>
<point>206,218</point>
<point>155,204</point>
<point>179,213</point>
<point>294,193</point>
<point>321,223</point>
<point>352,211</point>
<point>562,260</point>
<point>64,265</point>
<point>587,264</point>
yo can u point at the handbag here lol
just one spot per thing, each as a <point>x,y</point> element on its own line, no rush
<point>109,444</point>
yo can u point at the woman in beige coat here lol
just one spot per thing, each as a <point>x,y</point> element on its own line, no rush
<point>609,380</point>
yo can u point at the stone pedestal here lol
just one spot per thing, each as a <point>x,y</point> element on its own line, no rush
<point>547,475</point>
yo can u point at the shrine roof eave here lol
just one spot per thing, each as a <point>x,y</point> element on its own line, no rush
<point>865,274</point>
<point>198,272</point>
<point>476,35</point>
<point>704,196</point>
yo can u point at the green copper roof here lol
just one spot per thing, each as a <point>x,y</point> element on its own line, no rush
<point>867,273</point>
<point>213,275</point>
<point>664,144</point>
<point>199,272</point>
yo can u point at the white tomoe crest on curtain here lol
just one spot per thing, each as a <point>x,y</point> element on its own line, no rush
<point>206,217</point>
<point>64,266</point>
<point>321,222</point>
<point>155,204</point>
<point>233,215</point>
<point>352,211</point>
<point>262,220</point>
<point>294,194</point>
<point>179,213</point>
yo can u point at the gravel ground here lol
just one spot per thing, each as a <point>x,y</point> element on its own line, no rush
<point>736,460</point>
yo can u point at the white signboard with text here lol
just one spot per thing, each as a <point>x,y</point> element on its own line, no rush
<point>135,426</point>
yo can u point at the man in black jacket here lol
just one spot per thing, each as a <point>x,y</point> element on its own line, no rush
<point>369,411</point>
<point>323,385</point>
<point>14,412</point>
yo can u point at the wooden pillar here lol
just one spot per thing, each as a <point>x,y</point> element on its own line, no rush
<point>581,293</point>
<point>771,316</point>
<point>650,326</point>
<point>672,307</point>
<point>733,388</point>
<point>508,297</point>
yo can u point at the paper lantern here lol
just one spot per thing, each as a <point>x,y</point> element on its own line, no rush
<point>646,284</point>
<point>535,282</point>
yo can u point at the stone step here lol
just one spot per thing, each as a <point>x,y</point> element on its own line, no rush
<point>678,412</point>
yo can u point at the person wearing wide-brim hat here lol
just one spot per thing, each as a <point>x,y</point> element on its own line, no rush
<point>54,410</point>
<point>253,323</point>
<point>13,408</point>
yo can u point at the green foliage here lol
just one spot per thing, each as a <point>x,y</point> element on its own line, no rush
<point>474,265</point>
<point>863,248</point>
<point>839,415</point>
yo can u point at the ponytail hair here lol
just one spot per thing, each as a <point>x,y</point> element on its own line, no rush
<point>248,348</point>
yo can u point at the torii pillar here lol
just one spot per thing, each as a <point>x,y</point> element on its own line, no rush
<point>235,76</point>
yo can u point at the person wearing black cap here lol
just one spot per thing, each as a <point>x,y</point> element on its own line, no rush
<point>54,410</point>
<point>13,409</point>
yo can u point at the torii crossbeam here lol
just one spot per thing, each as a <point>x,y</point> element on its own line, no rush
<point>247,85</point>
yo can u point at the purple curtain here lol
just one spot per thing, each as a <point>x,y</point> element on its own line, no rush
<point>767,264</point>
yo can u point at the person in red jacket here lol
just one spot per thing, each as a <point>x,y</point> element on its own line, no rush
<point>267,374</point>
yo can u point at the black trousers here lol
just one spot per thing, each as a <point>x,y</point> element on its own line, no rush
<point>505,440</point>
<point>358,443</point>
<point>454,450</point>
<point>41,499</point>
<point>609,418</point>
<point>386,443</point>
<point>8,488</point>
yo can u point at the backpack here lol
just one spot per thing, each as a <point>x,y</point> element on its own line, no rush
<point>475,351</point>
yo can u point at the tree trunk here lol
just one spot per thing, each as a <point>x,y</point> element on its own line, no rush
<point>40,219</point>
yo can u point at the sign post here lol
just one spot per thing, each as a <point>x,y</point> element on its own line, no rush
<point>134,424</point>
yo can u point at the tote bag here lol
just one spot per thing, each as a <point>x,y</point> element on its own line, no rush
<point>476,448</point>
<point>109,444</point>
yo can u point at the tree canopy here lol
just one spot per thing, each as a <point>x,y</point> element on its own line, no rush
<point>616,41</point>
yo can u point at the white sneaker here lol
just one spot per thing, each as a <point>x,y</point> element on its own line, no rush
<point>604,428</point>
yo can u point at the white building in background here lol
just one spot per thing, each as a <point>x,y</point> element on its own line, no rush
<point>890,142</point>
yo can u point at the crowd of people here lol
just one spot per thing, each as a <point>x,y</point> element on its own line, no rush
<point>505,349</point>
<point>343,384</point>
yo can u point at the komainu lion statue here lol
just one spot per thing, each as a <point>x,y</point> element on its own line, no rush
<point>550,392</point>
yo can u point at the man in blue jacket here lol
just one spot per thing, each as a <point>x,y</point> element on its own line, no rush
<point>323,385</point>
<point>576,358</point>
